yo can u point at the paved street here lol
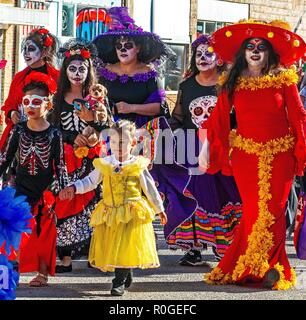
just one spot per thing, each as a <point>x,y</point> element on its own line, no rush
<point>171,281</point>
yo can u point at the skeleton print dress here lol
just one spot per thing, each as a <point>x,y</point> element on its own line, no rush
<point>73,231</point>
<point>39,157</point>
<point>218,202</point>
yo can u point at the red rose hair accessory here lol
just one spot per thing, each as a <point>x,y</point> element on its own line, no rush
<point>46,38</point>
<point>82,52</point>
<point>38,77</point>
<point>74,46</point>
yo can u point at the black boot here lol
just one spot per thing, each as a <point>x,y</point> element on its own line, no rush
<point>121,276</point>
<point>129,279</point>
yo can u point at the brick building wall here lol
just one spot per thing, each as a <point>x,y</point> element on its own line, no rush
<point>9,54</point>
<point>288,10</point>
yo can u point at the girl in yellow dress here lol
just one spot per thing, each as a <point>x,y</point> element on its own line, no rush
<point>123,236</point>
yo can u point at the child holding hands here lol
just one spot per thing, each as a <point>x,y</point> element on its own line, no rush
<point>123,236</point>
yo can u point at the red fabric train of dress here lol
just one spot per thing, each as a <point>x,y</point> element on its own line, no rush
<point>15,96</point>
<point>262,115</point>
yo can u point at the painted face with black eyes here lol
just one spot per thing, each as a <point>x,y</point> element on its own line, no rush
<point>77,72</point>
<point>205,60</point>
<point>31,53</point>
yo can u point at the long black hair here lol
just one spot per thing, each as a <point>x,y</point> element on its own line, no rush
<point>241,64</point>
<point>64,86</point>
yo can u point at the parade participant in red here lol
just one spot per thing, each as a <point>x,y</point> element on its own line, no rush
<point>39,149</point>
<point>265,151</point>
<point>38,48</point>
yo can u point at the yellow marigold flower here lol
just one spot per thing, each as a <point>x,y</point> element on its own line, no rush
<point>228,34</point>
<point>81,152</point>
<point>296,43</point>
<point>270,34</point>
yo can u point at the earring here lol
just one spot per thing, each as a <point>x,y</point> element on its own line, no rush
<point>219,62</point>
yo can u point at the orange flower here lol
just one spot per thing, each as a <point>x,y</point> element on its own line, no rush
<point>81,152</point>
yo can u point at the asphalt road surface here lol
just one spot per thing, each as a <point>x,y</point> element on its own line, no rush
<point>169,282</point>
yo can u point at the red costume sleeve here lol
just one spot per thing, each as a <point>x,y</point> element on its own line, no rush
<point>218,129</point>
<point>297,121</point>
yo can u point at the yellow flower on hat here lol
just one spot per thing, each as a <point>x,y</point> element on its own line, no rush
<point>228,34</point>
<point>296,43</point>
<point>270,34</point>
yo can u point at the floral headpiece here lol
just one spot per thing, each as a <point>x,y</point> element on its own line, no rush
<point>202,39</point>
<point>78,47</point>
<point>39,77</point>
<point>82,52</point>
<point>45,35</point>
<point>206,39</point>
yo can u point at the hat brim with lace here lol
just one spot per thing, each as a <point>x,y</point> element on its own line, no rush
<point>288,45</point>
<point>152,47</point>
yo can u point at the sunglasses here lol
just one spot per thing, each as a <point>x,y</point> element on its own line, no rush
<point>33,101</point>
<point>260,47</point>
<point>126,45</point>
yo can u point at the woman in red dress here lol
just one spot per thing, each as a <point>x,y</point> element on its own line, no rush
<point>265,151</point>
<point>38,49</point>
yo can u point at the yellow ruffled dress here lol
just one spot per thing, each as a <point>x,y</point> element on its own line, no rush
<point>123,235</point>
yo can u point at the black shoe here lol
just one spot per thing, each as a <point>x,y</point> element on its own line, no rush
<point>191,258</point>
<point>118,291</point>
<point>270,278</point>
<point>89,265</point>
<point>217,255</point>
<point>129,280</point>
<point>63,269</point>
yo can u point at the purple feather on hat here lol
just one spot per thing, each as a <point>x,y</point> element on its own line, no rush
<point>119,16</point>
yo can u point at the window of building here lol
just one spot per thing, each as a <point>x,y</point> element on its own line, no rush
<point>208,27</point>
<point>175,67</point>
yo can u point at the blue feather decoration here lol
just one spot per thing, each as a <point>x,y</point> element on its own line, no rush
<point>15,216</point>
<point>8,279</point>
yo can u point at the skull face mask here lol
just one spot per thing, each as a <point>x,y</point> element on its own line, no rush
<point>205,60</point>
<point>201,108</point>
<point>31,53</point>
<point>77,72</point>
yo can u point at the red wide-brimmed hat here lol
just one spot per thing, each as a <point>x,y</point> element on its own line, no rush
<point>288,45</point>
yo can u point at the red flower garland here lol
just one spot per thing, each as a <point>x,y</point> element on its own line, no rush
<point>39,77</point>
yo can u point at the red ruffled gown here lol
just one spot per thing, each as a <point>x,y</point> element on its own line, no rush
<point>265,152</point>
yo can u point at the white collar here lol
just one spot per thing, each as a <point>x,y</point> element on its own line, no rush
<point>115,162</point>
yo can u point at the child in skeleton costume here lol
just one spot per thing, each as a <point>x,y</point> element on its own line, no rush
<point>39,150</point>
<point>218,202</point>
<point>76,77</point>
<point>38,48</point>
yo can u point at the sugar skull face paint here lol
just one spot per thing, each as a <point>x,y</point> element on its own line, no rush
<point>256,52</point>
<point>77,72</point>
<point>205,60</point>
<point>31,53</point>
<point>126,51</point>
<point>34,105</point>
